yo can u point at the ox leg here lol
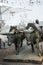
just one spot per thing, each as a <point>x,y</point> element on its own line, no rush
<point>32,45</point>
<point>21,43</point>
<point>37,46</point>
<point>4,44</point>
<point>16,48</point>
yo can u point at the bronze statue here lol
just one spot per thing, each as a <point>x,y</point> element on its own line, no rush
<point>34,37</point>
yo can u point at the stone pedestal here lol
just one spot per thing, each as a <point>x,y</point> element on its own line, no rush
<point>0,43</point>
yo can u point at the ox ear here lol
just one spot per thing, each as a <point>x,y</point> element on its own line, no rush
<point>10,29</point>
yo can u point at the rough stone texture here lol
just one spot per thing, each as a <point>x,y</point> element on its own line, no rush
<point>18,63</point>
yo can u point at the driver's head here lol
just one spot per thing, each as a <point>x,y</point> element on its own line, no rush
<point>37,21</point>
